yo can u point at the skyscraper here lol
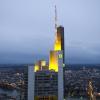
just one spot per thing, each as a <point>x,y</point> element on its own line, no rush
<point>48,77</point>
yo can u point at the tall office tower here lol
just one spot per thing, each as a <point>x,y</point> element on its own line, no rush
<point>56,59</point>
<point>48,83</point>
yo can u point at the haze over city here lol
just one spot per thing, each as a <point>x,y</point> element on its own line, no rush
<point>27,30</point>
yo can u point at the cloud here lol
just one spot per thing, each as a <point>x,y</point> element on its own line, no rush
<point>27,28</point>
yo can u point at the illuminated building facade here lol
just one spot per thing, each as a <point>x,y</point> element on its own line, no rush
<point>58,46</point>
<point>53,61</point>
<point>59,40</point>
<point>40,65</point>
<point>48,77</point>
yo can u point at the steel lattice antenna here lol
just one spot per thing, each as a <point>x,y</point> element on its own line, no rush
<point>91,91</point>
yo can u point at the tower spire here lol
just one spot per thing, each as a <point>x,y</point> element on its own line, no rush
<point>55,17</point>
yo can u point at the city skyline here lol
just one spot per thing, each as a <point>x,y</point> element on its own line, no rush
<point>26,26</point>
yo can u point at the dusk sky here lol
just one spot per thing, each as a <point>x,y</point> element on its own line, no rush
<point>27,30</point>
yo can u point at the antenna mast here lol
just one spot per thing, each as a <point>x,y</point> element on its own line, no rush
<point>55,17</point>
